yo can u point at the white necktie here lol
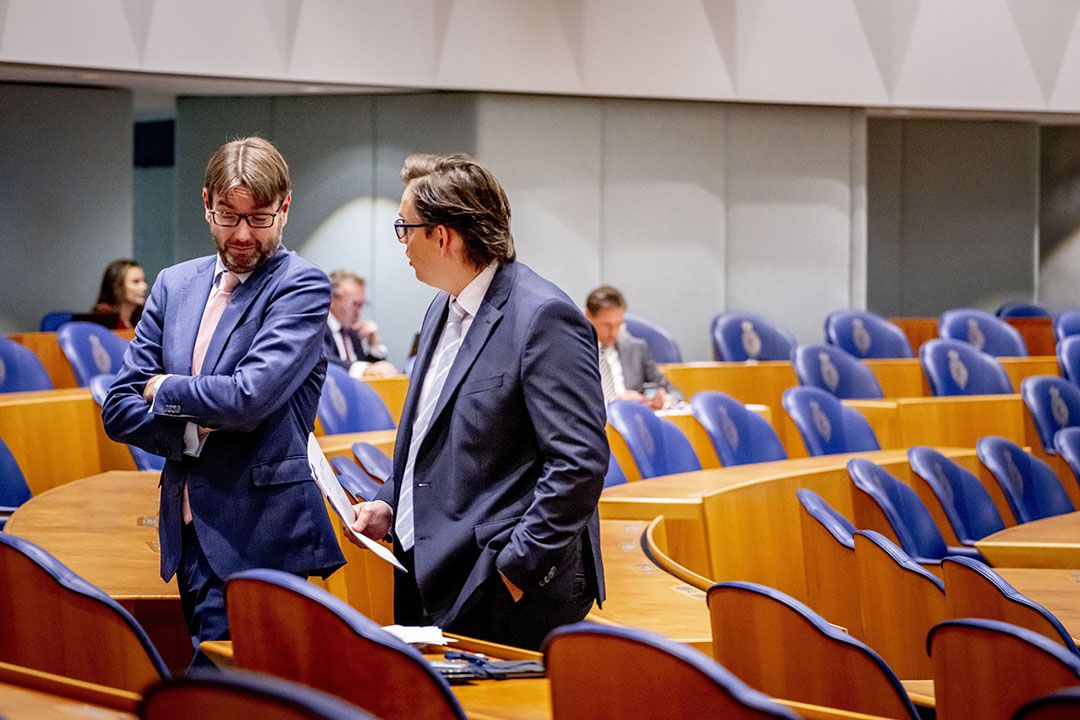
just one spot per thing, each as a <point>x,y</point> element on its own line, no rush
<point>429,397</point>
<point>607,381</point>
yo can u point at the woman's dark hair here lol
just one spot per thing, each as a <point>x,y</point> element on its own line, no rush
<point>112,283</point>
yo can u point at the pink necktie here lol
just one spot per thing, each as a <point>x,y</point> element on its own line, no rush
<point>219,298</point>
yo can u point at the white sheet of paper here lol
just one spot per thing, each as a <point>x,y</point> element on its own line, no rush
<point>339,500</point>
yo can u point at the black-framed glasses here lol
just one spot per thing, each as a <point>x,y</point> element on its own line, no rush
<point>259,221</point>
<point>401,228</point>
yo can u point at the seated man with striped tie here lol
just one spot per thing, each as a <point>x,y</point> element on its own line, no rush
<point>627,369</point>
<point>223,379</point>
<point>352,340</point>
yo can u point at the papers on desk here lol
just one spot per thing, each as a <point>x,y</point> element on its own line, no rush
<point>331,488</point>
<point>419,636</point>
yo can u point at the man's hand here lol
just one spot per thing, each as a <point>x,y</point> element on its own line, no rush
<point>380,369</point>
<point>367,330</point>
<point>372,519</point>
<point>515,592</point>
<point>658,401</point>
<point>151,388</point>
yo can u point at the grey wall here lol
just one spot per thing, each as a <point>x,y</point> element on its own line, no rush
<point>66,204</point>
<point>953,210</point>
<point>1059,217</point>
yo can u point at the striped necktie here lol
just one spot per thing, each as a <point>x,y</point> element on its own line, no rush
<point>607,382</point>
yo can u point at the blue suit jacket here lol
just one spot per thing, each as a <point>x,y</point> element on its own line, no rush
<point>510,472</point>
<point>252,495</point>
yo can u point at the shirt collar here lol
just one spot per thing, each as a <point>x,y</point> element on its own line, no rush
<point>333,322</point>
<point>219,267</point>
<point>473,293</point>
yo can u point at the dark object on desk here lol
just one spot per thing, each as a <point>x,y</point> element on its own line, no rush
<point>108,320</point>
<point>462,666</point>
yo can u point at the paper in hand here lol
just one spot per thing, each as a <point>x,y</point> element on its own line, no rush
<point>331,488</point>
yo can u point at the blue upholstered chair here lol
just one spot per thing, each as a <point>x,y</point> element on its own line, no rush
<point>273,618</point>
<point>620,672</point>
<point>1031,488</point>
<point>209,695</point>
<point>657,446</point>
<point>974,589</point>
<point>954,367</point>
<point>90,637</point>
<point>51,322</point>
<point>902,509</point>
<point>91,350</point>
<point>99,388</point>
<point>20,369</point>
<point>1054,403</point>
<point>829,557</point>
<point>373,461</point>
<point>662,344</point>
<point>835,371</point>
<point>1061,705</point>
<point>1068,355</point>
<point>614,475</point>
<point>740,336</point>
<point>13,488</point>
<point>987,333</point>
<point>355,481</point>
<point>350,406</point>
<point>966,503</point>
<point>738,435</point>
<point>990,669</point>
<point>866,335</point>
<point>1067,445</point>
<point>1067,323</point>
<point>826,425</point>
<point>1022,310</point>
<point>790,651</point>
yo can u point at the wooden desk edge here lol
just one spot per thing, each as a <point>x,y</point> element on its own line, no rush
<point>70,688</point>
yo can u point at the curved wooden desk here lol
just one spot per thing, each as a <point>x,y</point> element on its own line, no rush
<point>1052,542</point>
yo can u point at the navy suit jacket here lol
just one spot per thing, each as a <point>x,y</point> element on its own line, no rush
<point>510,472</point>
<point>252,495</point>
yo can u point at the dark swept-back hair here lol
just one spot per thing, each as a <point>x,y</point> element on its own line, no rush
<point>112,282</point>
<point>605,296</point>
<point>251,162</point>
<point>460,193</point>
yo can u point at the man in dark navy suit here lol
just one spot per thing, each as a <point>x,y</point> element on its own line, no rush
<point>501,451</point>
<point>223,379</point>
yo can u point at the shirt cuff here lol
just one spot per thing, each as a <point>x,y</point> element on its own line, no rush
<point>156,388</point>
<point>357,369</point>
<point>194,440</point>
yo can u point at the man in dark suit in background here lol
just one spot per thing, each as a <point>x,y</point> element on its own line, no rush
<point>501,451</point>
<point>626,364</point>
<point>223,379</point>
<point>351,340</point>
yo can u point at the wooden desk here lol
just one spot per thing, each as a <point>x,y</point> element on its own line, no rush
<point>27,694</point>
<point>1055,589</point>
<point>1038,334</point>
<point>47,349</point>
<point>917,329</point>
<point>899,377</point>
<point>392,390</point>
<point>341,445</point>
<point>957,421</point>
<point>1052,542</point>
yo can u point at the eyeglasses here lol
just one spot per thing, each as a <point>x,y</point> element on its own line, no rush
<point>224,218</point>
<point>401,228</point>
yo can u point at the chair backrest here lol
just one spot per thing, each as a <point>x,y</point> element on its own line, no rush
<point>238,694</point>
<point>1067,323</point>
<point>614,475</point>
<point>989,669</point>
<point>974,589</point>
<point>987,333</point>
<point>59,623</point>
<point>373,461</point>
<point>657,445</point>
<point>738,435</point>
<point>273,618</point>
<point>1068,355</point>
<point>91,350</point>
<point>51,322</point>
<point>619,672</point>
<point>966,503</point>
<point>350,406</point>
<point>99,388</point>
<point>827,427</point>
<point>13,488</point>
<point>954,367</point>
<point>20,369</point>
<point>1067,444</point>
<point>866,335</point>
<point>1021,310</point>
<point>901,602</point>
<point>1054,403</point>
<point>779,646</point>
<point>829,556</point>
<point>835,371</point>
<point>662,344</point>
<point>1063,705</point>
<point>355,481</point>
<point>1031,487</point>
<point>908,518</point>
<point>739,336</point>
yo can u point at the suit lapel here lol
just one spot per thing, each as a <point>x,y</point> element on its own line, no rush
<point>193,296</point>
<point>241,299</point>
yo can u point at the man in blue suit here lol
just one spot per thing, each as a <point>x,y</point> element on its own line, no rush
<point>501,451</point>
<point>223,380</point>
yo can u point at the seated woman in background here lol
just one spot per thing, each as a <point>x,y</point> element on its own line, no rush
<point>123,291</point>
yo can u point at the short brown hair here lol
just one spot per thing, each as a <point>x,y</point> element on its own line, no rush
<point>605,296</point>
<point>460,193</point>
<point>252,163</point>
<point>337,277</point>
